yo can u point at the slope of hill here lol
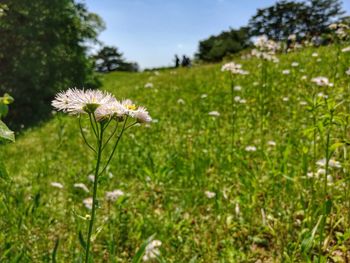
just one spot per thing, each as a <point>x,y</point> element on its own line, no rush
<point>263,199</point>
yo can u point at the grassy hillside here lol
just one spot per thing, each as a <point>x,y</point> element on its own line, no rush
<point>183,181</point>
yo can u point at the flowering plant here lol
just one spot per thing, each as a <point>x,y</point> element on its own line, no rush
<point>103,110</point>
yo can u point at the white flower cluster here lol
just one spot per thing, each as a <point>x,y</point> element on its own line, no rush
<point>322,81</point>
<point>341,30</point>
<point>266,49</point>
<point>234,68</point>
<point>114,195</point>
<point>152,250</point>
<point>100,103</point>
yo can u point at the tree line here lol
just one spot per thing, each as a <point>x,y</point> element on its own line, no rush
<point>305,20</point>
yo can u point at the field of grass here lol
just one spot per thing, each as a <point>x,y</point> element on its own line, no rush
<point>263,200</point>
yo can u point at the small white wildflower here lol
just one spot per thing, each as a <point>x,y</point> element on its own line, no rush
<point>237,209</point>
<point>148,85</point>
<point>243,101</point>
<point>237,98</point>
<point>81,186</point>
<point>295,64</point>
<point>237,88</point>
<point>180,101</point>
<point>234,68</point>
<point>292,37</point>
<point>348,72</point>
<point>209,194</point>
<point>250,148</point>
<point>152,250</point>
<point>304,77</point>
<point>303,103</point>
<point>203,96</point>
<point>271,143</point>
<point>114,195</point>
<point>322,95</point>
<point>321,81</point>
<point>314,54</point>
<point>91,178</point>
<point>88,202</point>
<point>332,163</point>
<point>347,49</point>
<point>285,99</point>
<point>214,113</point>
<point>74,101</point>
<point>286,72</point>
<point>57,185</point>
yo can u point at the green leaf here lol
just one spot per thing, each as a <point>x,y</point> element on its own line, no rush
<point>6,133</point>
<point>82,241</point>
<point>139,254</point>
<point>3,110</point>
<point>3,172</point>
<point>54,252</point>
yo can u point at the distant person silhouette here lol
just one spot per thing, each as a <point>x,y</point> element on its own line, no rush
<point>177,61</point>
<point>186,62</point>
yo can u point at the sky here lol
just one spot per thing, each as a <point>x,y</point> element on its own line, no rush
<point>151,32</point>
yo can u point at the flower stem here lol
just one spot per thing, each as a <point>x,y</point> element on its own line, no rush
<point>92,218</point>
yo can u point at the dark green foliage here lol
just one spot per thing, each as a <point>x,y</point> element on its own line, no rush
<point>284,18</point>
<point>215,48</point>
<point>42,51</point>
<point>110,59</point>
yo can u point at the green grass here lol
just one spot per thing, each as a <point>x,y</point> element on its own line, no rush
<point>166,167</point>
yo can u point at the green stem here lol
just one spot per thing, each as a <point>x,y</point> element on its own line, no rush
<point>99,152</point>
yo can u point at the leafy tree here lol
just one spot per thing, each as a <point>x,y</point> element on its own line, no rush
<point>280,20</point>
<point>110,59</point>
<point>288,17</point>
<point>43,50</point>
<point>215,48</point>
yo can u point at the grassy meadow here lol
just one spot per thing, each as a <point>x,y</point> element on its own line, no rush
<point>216,177</point>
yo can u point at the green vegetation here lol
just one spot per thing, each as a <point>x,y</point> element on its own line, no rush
<point>205,201</point>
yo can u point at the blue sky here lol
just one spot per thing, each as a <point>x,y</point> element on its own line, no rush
<point>150,32</point>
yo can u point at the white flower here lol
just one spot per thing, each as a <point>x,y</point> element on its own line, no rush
<point>180,101</point>
<point>295,64</point>
<point>152,250</point>
<point>81,186</point>
<point>303,103</point>
<point>114,195</point>
<point>209,194</point>
<point>237,99</point>
<point>243,101</point>
<point>88,202</point>
<point>292,37</point>
<point>203,96</point>
<point>347,49</point>
<point>271,143</point>
<point>237,88</point>
<point>286,72</point>
<point>91,178</point>
<point>285,99</point>
<point>57,185</point>
<point>322,95</point>
<point>348,72</point>
<point>250,148</point>
<point>140,114</point>
<point>214,113</point>
<point>110,110</point>
<point>234,68</point>
<point>148,85</point>
<point>304,77</point>
<point>332,163</point>
<point>321,81</point>
<point>314,54</point>
<point>333,26</point>
<point>74,101</point>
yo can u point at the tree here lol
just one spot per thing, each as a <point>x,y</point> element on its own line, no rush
<point>288,17</point>
<point>321,13</point>
<point>215,48</point>
<point>110,59</point>
<point>43,50</point>
<point>279,21</point>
